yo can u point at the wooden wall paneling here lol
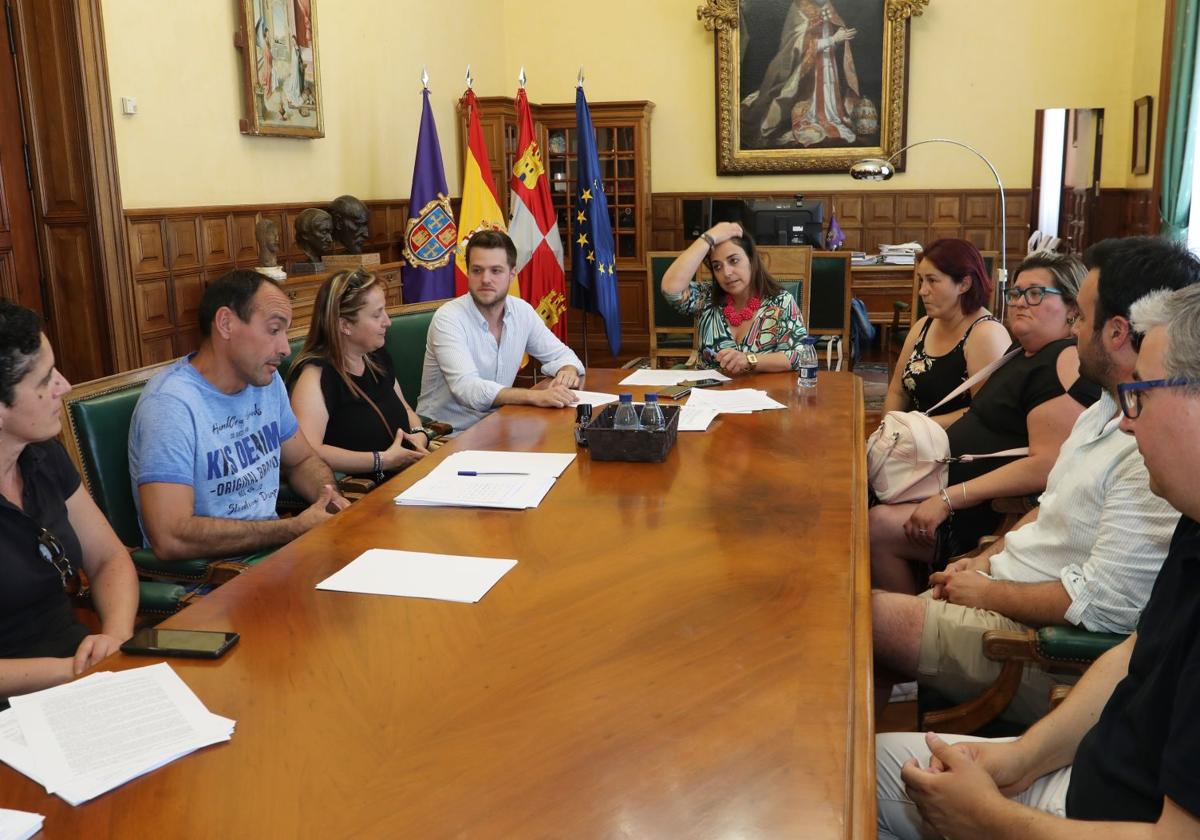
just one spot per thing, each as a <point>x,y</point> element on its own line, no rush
<point>152,303</point>
<point>849,209</point>
<point>915,233</point>
<point>854,239</point>
<point>945,209</point>
<point>183,243</point>
<point>980,210</point>
<point>8,277</point>
<point>666,240</point>
<point>912,209</point>
<point>157,348</point>
<point>397,223</point>
<point>377,225</point>
<point>289,221</point>
<point>187,290</point>
<point>982,238</point>
<point>244,249</point>
<point>664,213</point>
<point>873,237</point>
<point>215,241</point>
<point>879,209</point>
<point>72,283</point>
<point>148,253</point>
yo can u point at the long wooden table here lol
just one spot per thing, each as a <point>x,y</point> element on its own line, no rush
<point>682,651</point>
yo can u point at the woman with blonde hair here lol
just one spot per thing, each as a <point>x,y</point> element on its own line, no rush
<point>343,384</point>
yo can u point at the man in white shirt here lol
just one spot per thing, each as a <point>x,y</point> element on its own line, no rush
<point>1088,555</point>
<point>476,343</point>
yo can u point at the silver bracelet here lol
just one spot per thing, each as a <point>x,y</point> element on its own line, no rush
<point>712,243</point>
<point>946,499</point>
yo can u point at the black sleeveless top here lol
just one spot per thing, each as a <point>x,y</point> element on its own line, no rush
<point>928,379</point>
<point>353,423</point>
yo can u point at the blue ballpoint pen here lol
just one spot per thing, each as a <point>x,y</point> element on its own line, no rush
<point>477,472</point>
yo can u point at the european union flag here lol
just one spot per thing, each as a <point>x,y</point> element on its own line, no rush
<point>431,235</point>
<point>593,264</point>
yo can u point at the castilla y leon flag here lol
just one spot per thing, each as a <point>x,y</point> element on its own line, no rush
<point>534,228</point>
<point>480,208</point>
<point>431,236</point>
<point>593,268</point>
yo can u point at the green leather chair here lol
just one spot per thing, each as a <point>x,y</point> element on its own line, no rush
<point>672,334</point>
<point>829,303</point>
<point>405,343</point>
<point>96,434</point>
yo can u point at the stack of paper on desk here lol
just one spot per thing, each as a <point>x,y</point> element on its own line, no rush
<point>695,419</point>
<point>740,401</point>
<point>87,737</point>
<point>477,478</point>
<point>665,378</point>
<point>595,398</point>
<point>445,577</point>
<point>19,825</point>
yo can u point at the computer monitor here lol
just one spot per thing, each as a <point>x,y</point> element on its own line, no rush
<point>790,222</point>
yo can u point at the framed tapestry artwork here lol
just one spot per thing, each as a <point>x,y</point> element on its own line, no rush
<point>282,76</point>
<point>809,85</point>
<point>1142,114</point>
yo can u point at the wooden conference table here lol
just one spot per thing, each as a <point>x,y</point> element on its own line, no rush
<point>682,651</point>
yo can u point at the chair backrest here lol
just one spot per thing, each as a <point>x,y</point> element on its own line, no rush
<point>405,343</point>
<point>96,436</point>
<point>791,266</point>
<point>829,295</point>
<point>663,316</point>
<point>989,264</point>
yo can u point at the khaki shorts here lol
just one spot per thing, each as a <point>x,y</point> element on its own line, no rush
<point>951,660</point>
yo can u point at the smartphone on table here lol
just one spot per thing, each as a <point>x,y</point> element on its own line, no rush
<point>204,644</point>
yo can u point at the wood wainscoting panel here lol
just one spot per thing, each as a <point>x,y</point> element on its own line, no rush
<point>879,210</point>
<point>146,252</point>
<point>183,243</point>
<point>945,209</point>
<point>245,246</point>
<point>849,209</point>
<point>188,289</point>
<point>8,277</point>
<point>912,209</point>
<point>215,246</point>
<point>980,210</point>
<point>152,302</point>
<point>159,348</point>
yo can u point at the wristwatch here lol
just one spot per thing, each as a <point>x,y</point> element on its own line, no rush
<point>712,243</point>
<point>752,359</point>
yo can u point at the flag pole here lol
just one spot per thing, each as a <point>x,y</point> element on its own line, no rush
<point>586,361</point>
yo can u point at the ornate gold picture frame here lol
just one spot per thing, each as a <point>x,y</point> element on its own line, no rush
<point>280,70</point>
<point>809,85</point>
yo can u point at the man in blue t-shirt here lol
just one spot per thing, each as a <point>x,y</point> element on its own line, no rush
<point>211,434</point>
<point>1123,750</point>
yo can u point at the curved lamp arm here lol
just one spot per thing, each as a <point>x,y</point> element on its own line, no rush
<point>881,170</point>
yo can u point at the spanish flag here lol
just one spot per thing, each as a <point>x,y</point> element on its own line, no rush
<point>480,208</point>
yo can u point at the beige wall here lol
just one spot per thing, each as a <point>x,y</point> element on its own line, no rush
<point>979,70</point>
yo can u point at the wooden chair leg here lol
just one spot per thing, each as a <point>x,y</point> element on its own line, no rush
<point>968,717</point>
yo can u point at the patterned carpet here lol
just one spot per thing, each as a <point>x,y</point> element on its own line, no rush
<point>875,383</point>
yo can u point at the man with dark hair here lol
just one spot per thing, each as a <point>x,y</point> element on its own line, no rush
<point>476,343</point>
<point>212,432</point>
<point>1088,556</point>
<point>1124,747</point>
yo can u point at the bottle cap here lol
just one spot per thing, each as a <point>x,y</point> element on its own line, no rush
<point>652,397</point>
<point>583,412</point>
<point>626,398</point>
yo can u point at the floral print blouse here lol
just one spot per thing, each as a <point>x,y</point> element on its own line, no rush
<point>777,326</point>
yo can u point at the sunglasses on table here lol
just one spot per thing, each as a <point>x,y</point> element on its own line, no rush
<point>1129,394</point>
<point>1033,294</point>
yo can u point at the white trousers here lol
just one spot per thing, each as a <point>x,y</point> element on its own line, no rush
<point>897,816</point>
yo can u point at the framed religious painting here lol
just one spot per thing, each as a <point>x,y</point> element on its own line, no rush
<point>281,71</point>
<point>1142,113</point>
<point>809,85</point>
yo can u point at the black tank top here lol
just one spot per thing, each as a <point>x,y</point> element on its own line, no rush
<point>927,379</point>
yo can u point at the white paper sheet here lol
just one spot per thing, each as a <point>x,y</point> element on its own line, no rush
<point>414,574</point>
<point>662,378</point>
<point>498,491</point>
<point>480,460</point>
<point>19,825</point>
<point>695,419</point>
<point>595,399</point>
<point>739,400</point>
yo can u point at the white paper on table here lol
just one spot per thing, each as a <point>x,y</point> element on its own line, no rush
<point>739,400</point>
<point>14,751</point>
<point>595,398</point>
<point>19,825</point>
<point>695,419</point>
<point>417,574</point>
<point>664,378</point>
<point>507,492</point>
<point>480,460</point>
<point>86,734</point>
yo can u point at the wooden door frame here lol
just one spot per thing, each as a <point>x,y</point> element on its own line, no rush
<point>98,151</point>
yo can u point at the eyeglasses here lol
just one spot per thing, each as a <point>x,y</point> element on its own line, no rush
<point>352,281</point>
<point>52,552</point>
<point>1033,294</point>
<point>1129,394</point>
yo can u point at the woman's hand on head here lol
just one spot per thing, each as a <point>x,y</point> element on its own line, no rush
<point>724,231</point>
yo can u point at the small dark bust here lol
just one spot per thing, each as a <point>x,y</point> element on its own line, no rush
<point>314,233</point>
<point>349,222</point>
<point>266,234</point>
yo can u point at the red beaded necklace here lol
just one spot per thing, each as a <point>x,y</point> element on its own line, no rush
<point>737,316</point>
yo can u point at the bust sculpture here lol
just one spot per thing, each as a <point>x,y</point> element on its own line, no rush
<point>314,235</point>
<point>266,234</point>
<point>349,222</point>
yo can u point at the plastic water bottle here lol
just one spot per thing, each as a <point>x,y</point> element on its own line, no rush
<point>652,416</point>
<point>807,380</point>
<point>626,417</point>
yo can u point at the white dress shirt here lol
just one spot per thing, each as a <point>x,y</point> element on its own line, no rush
<point>465,367</point>
<point>1099,528</point>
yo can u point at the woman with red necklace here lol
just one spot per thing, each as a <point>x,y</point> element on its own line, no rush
<point>747,322</point>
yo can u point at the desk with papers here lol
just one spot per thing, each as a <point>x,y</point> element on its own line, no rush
<point>681,650</point>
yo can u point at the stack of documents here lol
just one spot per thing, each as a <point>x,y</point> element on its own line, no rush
<point>476,478</point>
<point>665,378</point>
<point>739,401</point>
<point>594,398</point>
<point>444,577</point>
<point>905,254</point>
<point>87,737</point>
<point>695,418</point>
<point>19,825</point>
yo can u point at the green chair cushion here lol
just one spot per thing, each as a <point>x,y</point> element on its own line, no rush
<point>159,597</point>
<point>1071,644</point>
<point>680,342</point>
<point>405,343</point>
<point>145,559</point>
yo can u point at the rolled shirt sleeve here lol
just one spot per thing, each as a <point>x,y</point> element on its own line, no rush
<point>1109,590</point>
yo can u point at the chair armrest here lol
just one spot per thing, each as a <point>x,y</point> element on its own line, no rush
<point>1075,645</point>
<point>1058,694</point>
<point>435,428</point>
<point>148,564</point>
<point>160,598</point>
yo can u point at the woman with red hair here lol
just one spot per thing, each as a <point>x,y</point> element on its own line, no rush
<point>956,337</point>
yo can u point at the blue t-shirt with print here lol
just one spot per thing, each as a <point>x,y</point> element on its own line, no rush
<point>225,446</point>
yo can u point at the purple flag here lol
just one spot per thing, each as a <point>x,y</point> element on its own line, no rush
<point>834,237</point>
<point>431,235</point>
